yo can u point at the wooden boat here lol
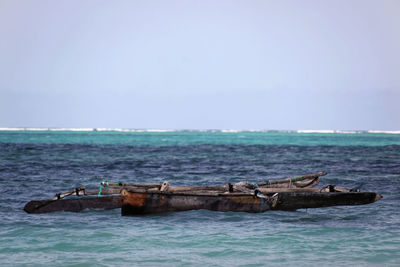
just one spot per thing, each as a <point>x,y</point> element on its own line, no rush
<point>108,196</point>
<point>136,202</point>
<point>285,194</point>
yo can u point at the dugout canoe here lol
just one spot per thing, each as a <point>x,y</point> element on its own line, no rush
<point>138,202</point>
<point>108,196</point>
<point>284,194</point>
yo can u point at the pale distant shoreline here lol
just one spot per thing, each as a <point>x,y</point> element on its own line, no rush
<point>41,129</point>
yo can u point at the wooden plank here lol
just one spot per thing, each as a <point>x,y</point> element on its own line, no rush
<point>212,190</point>
<point>196,188</point>
<point>73,192</point>
<point>120,185</point>
<point>292,179</point>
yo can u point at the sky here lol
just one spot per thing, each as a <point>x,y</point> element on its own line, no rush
<point>272,65</point>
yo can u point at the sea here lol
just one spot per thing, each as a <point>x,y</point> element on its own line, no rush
<point>37,163</point>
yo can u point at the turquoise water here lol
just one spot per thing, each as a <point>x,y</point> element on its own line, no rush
<point>173,138</point>
<point>38,164</point>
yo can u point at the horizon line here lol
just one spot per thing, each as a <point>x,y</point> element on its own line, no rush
<point>72,129</point>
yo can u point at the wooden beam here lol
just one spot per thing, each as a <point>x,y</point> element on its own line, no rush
<point>292,179</point>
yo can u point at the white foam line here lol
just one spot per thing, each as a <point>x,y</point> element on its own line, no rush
<point>348,132</point>
<point>315,131</point>
<point>135,130</point>
<point>329,131</point>
<point>12,129</point>
<point>384,132</point>
<point>191,130</point>
<point>113,130</point>
<point>230,131</point>
<point>160,131</point>
<point>71,129</point>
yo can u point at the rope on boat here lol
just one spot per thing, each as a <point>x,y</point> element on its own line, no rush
<point>103,184</point>
<point>262,197</point>
<point>272,201</point>
<point>101,187</point>
<point>164,186</point>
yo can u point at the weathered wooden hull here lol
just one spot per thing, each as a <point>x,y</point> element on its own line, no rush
<point>306,200</point>
<point>74,204</point>
<point>136,203</point>
<point>285,194</point>
<point>61,202</point>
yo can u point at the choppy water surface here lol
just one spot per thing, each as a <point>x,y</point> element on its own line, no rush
<point>35,165</point>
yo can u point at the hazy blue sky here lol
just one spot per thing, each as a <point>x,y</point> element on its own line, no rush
<point>200,64</point>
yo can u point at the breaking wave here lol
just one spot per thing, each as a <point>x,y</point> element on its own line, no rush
<point>195,130</point>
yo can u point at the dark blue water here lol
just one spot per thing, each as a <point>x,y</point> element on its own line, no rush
<point>36,165</point>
